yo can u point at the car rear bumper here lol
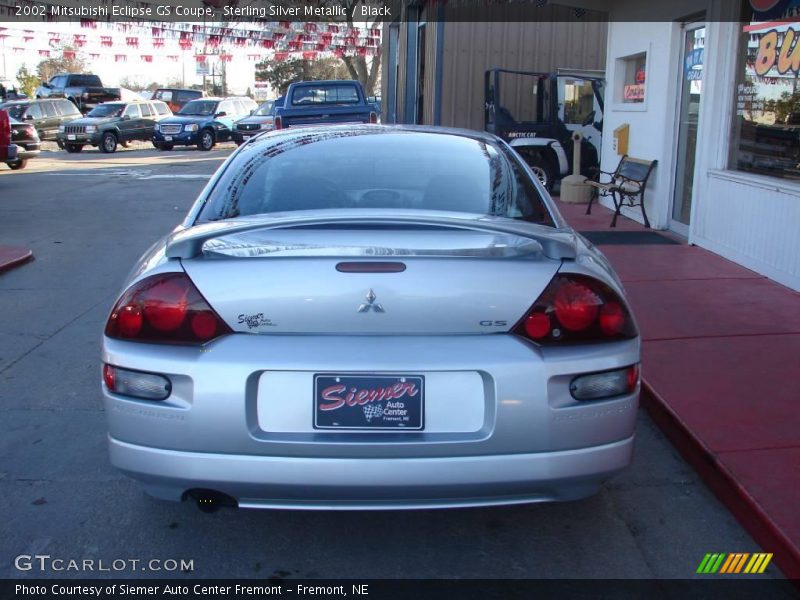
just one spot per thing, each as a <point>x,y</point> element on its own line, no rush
<point>381,484</point>
<point>500,425</point>
<point>28,151</point>
<point>9,152</point>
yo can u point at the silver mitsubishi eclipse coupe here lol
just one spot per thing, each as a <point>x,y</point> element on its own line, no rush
<point>371,317</point>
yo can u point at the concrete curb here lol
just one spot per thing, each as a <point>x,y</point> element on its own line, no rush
<point>730,492</point>
<point>15,259</point>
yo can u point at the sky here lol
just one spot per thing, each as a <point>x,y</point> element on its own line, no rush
<point>240,70</point>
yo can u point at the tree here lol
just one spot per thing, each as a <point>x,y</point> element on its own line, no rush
<point>281,73</point>
<point>74,62</point>
<point>367,72</point>
<point>28,82</point>
<point>131,84</point>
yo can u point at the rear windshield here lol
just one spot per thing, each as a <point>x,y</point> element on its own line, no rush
<point>199,107</point>
<point>15,110</point>
<point>84,80</point>
<point>385,169</point>
<point>325,94</point>
<point>107,110</point>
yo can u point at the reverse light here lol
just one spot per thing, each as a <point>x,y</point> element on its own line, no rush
<point>577,308</point>
<point>607,384</point>
<point>165,308</point>
<point>137,384</point>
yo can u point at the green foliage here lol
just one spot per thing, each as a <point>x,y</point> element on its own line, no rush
<point>281,74</point>
<point>59,64</point>
<point>28,82</point>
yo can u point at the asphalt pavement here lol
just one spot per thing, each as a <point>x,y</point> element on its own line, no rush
<point>87,217</point>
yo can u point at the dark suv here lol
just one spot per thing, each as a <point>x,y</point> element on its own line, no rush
<point>113,123</point>
<point>45,115</point>
<point>203,122</point>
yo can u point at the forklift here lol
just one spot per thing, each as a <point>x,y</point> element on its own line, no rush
<point>538,113</point>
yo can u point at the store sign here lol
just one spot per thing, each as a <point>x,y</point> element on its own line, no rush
<point>634,92</point>
<point>785,57</point>
<point>693,65</point>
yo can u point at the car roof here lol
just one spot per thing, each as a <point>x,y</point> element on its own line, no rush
<point>293,132</point>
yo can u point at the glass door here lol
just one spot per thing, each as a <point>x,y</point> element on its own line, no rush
<point>691,90</point>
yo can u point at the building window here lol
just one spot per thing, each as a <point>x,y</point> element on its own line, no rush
<point>765,136</point>
<point>633,71</point>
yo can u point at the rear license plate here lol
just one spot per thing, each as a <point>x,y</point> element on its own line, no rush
<point>167,138</point>
<point>70,136</point>
<point>369,401</point>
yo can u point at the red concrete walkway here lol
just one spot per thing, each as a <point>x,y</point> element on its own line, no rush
<point>721,374</point>
<point>12,256</point>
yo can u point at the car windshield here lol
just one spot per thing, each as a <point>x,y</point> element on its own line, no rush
<point>107,110</point>
<point>199,107</point>
<point>14,110</point>
<point>383,168</point>
<point>265,109</point>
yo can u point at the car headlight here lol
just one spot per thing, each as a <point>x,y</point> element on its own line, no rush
<point>91,129</point>
<point>192,127</point>
<point>62,128</point>
<point>267,125</point>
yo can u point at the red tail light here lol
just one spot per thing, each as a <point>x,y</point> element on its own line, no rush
<point>165,308</point>
<point>577,308</point>
<point>278,122</point>
<point>373,117</point>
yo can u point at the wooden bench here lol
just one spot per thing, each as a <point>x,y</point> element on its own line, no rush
<point>626,186</point>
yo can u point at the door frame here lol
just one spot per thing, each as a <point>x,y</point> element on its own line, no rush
<point>689,24</point>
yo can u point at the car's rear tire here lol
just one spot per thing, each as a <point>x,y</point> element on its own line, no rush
<point>108,143</point>
<point>73,148</point>
<point>163,147</point>
<point>206,141</point>
<point>16,165</point>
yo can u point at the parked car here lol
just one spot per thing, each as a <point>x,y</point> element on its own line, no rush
<point>263,119</point>
<point>113,123</point>
<point>45,115</point>
<point>324,103</point>
<point>28,144</point>
<point>176,98</point>
<point>371,317</point>
<point>84,90</point>
<point>203,122</point>
<point>9,91</point>
<point>8,150</point>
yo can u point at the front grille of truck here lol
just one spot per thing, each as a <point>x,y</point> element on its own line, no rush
<point>75,129</point>
<point>171,128</point>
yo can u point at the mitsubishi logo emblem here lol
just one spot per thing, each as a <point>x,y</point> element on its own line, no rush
<point>370,304</point>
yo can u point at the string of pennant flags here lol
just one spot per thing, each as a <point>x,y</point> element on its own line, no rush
<point>282,39</point>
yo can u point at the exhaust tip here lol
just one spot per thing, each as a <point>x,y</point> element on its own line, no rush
<point>210,501</point>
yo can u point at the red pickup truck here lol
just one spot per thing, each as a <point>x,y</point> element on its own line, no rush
<point>8,151</point>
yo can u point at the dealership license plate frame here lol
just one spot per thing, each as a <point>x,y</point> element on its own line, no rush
<point>362,423</point>
<point>167,138</point>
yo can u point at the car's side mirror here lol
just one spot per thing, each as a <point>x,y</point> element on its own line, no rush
<point>252,112</point>
<point>126,117</point>
<point>221,114</point>
<point>45,84</point>
<point>372,99</point>
<point>29,117</point>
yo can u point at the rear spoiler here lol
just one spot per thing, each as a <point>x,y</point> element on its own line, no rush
<point>557,244</point>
